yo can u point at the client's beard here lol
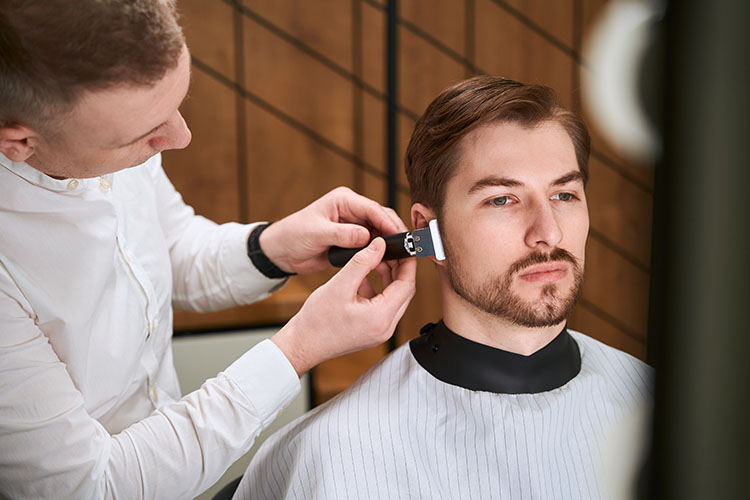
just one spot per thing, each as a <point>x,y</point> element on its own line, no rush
<point>494,294</point>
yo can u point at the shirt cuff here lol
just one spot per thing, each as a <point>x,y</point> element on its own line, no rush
<point>239,267</point>
<point>267,378</point>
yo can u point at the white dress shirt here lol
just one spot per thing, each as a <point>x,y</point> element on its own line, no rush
<point>90,406</point>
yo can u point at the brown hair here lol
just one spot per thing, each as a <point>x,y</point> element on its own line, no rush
<point>51,51</point>
<point>434,148</point>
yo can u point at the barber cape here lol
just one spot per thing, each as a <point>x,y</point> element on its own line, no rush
<point>447,418</point>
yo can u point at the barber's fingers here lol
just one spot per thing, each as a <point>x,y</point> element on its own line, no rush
<point>395,315</point>
<point>385,273</point>
<point>399,314</point>
<point>353,207</point>
<point>404,269</point>
<point>366,290</point>
<point>395,218</point>
<point>345,235</point>
<point>356,270</point>
<point>386,270</point>
<point>400,291</point>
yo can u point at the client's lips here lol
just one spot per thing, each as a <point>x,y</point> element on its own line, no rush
<point>541,273</point>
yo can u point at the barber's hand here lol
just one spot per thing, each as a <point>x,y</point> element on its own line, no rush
<point>299,243</point>
<point>345,314</point>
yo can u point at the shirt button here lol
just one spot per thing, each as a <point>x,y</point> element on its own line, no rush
<point>73,184</point>
<point>104,183</point>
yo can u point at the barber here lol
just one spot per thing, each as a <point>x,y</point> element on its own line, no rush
<point>96,246</point>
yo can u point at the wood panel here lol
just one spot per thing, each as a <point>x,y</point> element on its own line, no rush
<point>507,47</point>
<point>424,71</point>
<point>287,168</point>
<point>209,31</point>
<point>373,132</point>
<point>323,26</point>
<point>405,129</point>
<point>374,187</point>
<point>498,46</point>
<point>206,172</point>
<point>298,85</point>
<point>373,46</point>
<point>555,18</point>
<point>443,20</point>
<point>547,65</point>
<point>621,211</point>
<point>617,288</point>
<point>589,322</point>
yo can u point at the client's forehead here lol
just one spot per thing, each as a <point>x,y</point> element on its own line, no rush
<point>512,155</point>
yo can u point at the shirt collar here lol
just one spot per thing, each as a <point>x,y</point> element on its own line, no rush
<point>36,177</point>
<point>459,361</point>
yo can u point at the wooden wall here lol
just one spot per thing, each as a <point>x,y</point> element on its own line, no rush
<point>287,102</point>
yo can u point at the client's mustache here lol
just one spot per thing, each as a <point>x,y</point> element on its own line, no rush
<point>558,254</point>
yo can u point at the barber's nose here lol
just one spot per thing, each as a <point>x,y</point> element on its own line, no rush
<point>543,228</point>
<point>176,135</point>
<point>181,135</point>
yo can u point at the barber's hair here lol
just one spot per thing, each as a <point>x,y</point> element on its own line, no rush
<point>52,51</point>
<point>435,147</point>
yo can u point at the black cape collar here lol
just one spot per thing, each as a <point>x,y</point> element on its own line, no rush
<point>459,361</point>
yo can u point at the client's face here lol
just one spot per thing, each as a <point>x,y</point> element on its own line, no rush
<point>515,222</point>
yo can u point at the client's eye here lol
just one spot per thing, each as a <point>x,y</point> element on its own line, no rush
<point>500,201</point>
<point>563,196</point>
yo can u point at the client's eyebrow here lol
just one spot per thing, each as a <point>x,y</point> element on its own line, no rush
<point>569,177</point>
<point>493,180</point>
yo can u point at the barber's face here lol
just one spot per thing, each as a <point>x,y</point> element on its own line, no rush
<point>515,223</point>
<point>113,129</point>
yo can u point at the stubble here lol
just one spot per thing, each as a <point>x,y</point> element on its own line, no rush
<point>495,295</point>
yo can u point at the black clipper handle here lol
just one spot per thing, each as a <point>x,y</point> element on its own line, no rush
<point>394,249</point>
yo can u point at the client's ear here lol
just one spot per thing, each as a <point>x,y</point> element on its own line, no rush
<point>16,142</point>
<point>421,216</point>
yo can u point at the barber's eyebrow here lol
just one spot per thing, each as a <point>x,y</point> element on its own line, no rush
<point>187,96</point>
<point>144,135</point>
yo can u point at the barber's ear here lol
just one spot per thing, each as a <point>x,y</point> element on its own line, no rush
<point>421,216</point>
<point>16,142</point>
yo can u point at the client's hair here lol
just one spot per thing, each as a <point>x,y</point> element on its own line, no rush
<point>434,149</point>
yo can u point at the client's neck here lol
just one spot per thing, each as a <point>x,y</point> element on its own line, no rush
<point>475,324</point>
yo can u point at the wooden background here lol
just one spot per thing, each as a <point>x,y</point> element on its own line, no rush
<point>287,101</point>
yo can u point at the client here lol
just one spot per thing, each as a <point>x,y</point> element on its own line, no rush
<point>498,399</point>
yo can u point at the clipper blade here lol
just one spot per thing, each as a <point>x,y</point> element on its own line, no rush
<point>427,241</point>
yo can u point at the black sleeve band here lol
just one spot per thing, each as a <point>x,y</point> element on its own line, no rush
<point>259,259</point>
